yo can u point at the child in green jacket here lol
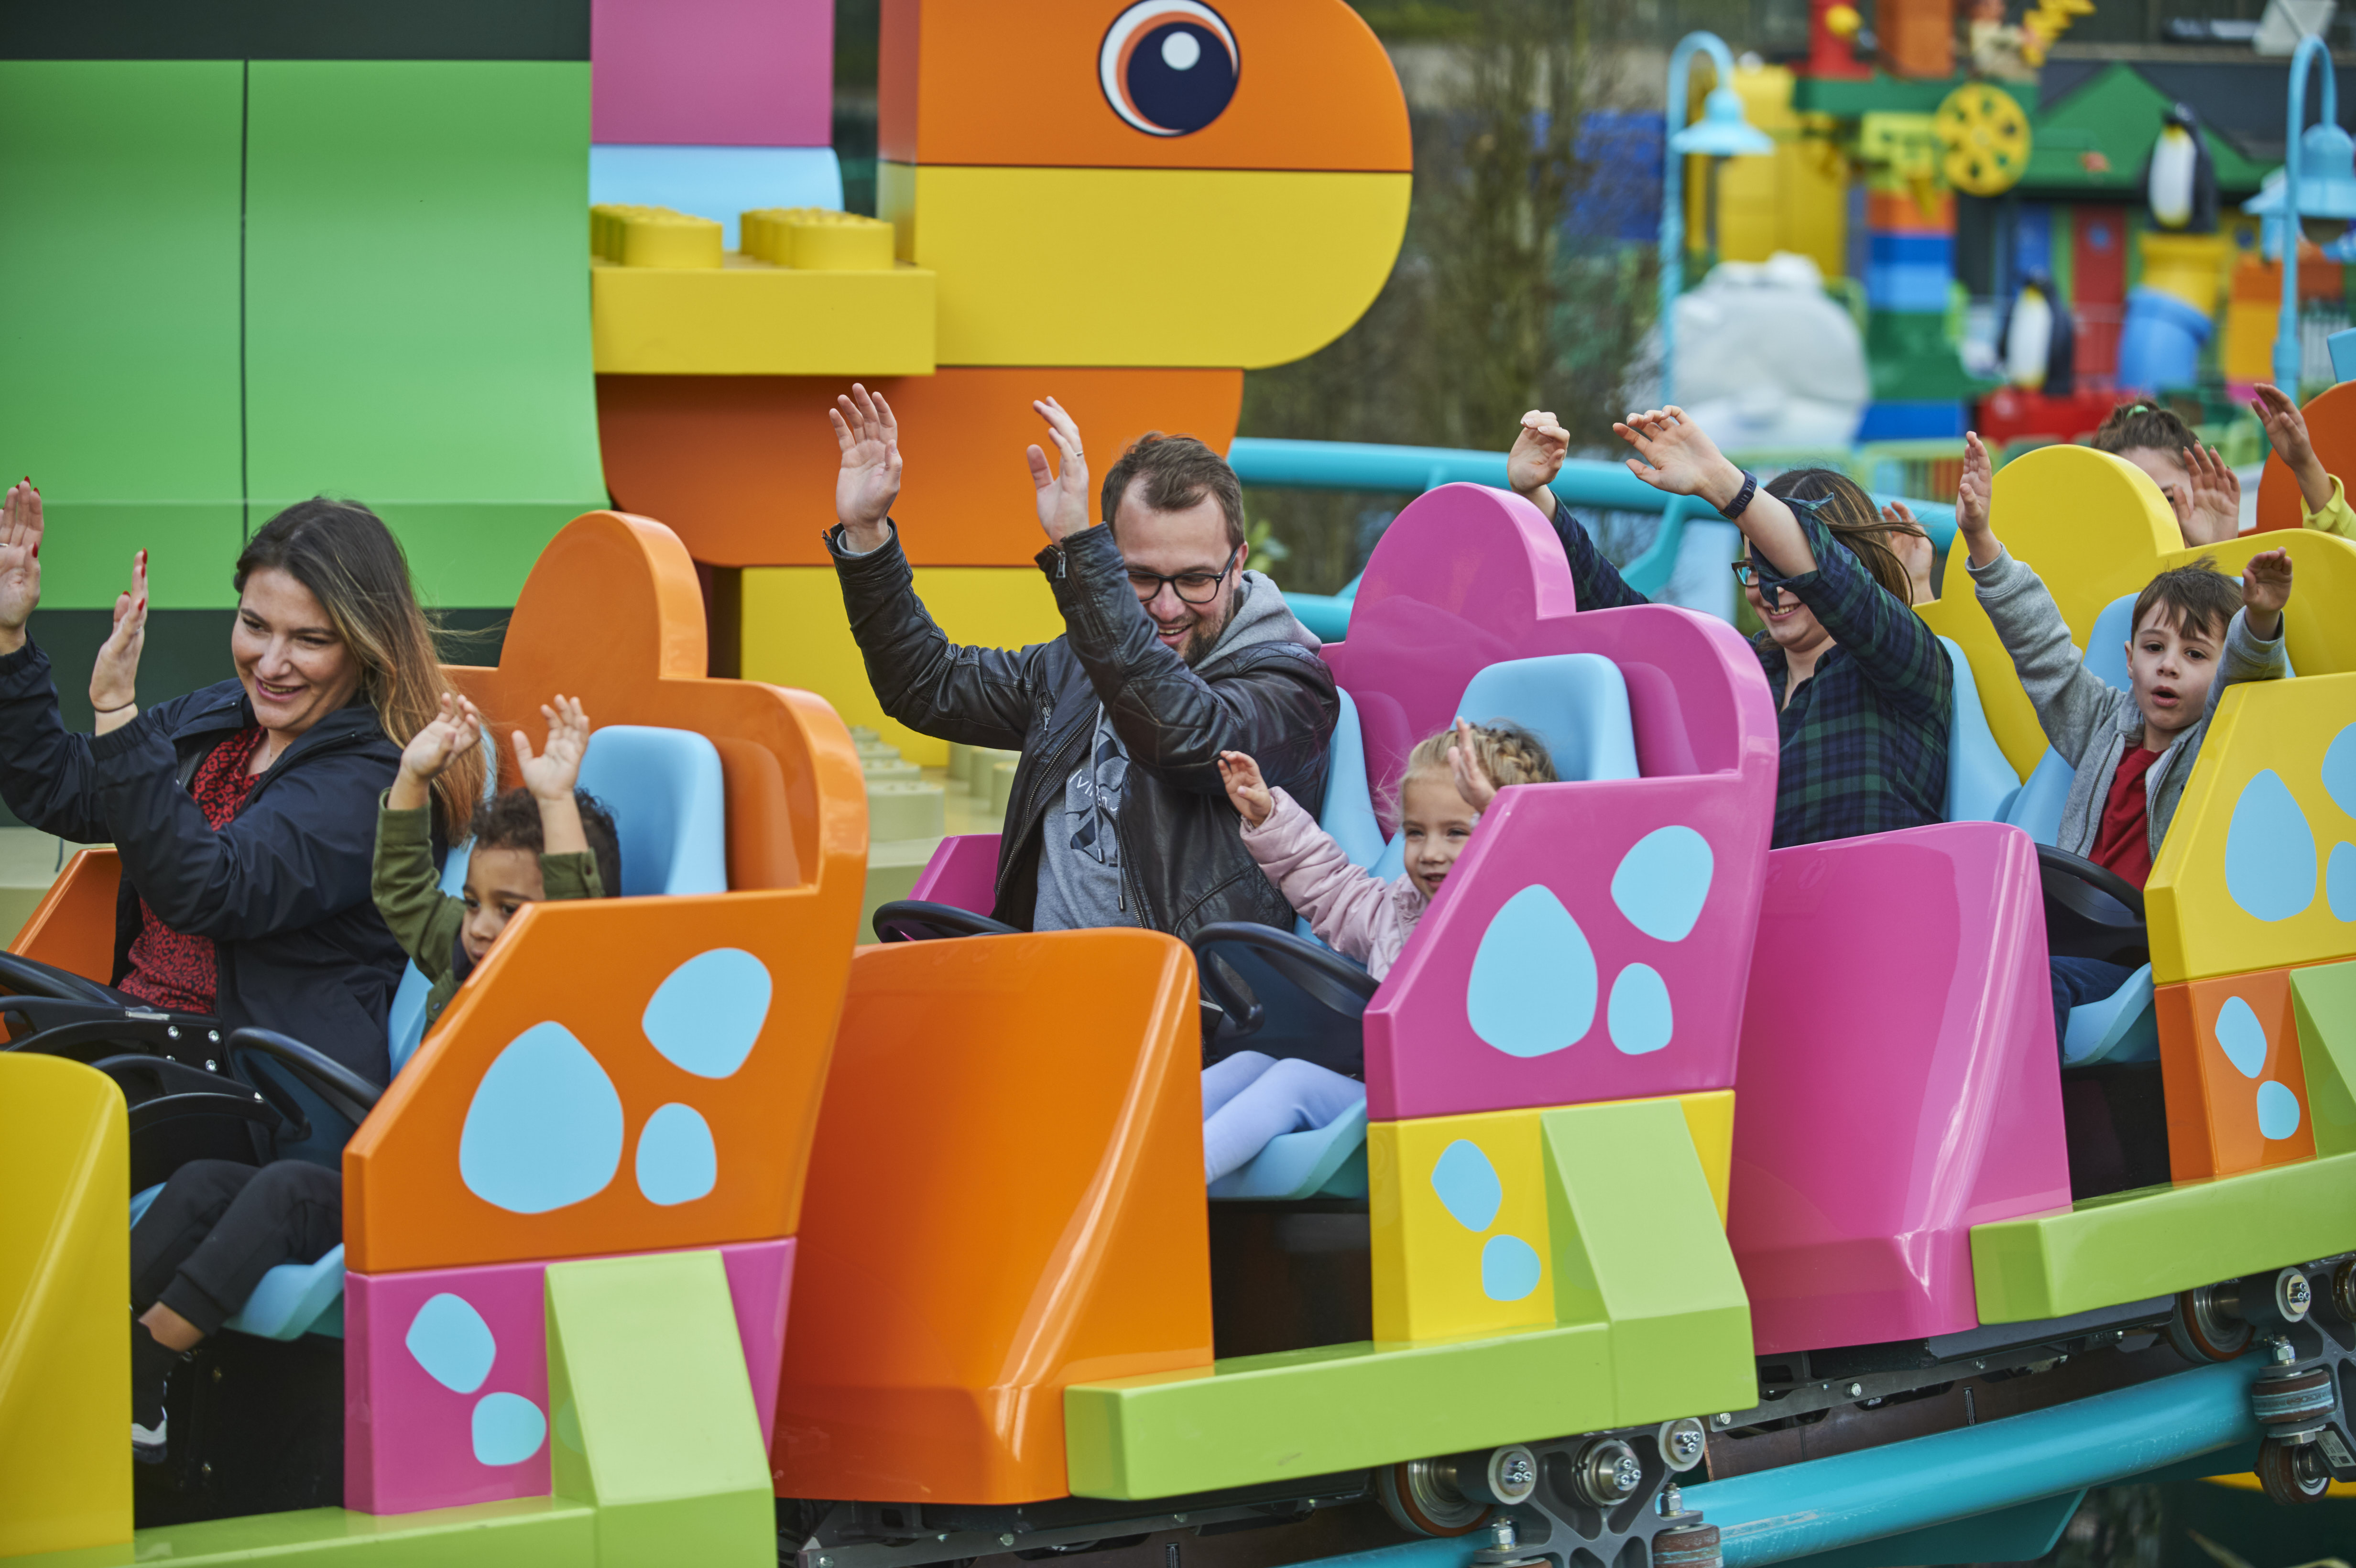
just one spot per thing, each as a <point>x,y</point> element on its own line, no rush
<point>545,840</point>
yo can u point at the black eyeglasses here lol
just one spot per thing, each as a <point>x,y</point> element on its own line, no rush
<point>1192,587</point>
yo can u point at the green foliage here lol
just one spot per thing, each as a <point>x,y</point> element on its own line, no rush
<point>1490,311</point>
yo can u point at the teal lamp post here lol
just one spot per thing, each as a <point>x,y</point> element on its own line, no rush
<point>2317,186</point>
<point>1722,131</point>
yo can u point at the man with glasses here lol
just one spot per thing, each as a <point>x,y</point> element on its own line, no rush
<point>1172,653</point>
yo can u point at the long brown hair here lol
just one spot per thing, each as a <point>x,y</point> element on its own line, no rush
<point>351,563</point>
<point>1853,520</point>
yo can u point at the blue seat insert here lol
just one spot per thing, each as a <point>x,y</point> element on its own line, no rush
<point>1980,783</point>
<point>1322,1162</point>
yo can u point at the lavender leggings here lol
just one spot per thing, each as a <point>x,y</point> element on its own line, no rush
<point>1249,1098</point>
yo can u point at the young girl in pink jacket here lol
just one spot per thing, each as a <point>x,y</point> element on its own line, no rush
<point>1450,778</point>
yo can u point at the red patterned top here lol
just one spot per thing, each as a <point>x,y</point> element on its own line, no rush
<point>169,969</point>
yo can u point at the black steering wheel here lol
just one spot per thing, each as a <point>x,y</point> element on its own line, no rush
<point>31,977</point>
<point>920,920</point>
<point>2091,912</point>
<point>1283,994</point>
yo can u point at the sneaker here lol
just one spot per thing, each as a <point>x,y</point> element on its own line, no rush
<point>151,1445</point>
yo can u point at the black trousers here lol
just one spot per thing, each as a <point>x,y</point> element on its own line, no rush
<point>218,1227</point>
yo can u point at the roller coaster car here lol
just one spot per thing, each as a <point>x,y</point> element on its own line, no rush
<point>1899,1187</point>
<point>627,1086</point>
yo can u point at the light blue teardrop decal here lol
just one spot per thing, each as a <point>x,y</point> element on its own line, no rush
<point>508,1429</point>
<point>1663,882</point>
<point>1509,1268</point>
<point>2339,881</point>
<point>2242,1038</point>
<point>1533,986</point>
<point>545,1126</point>
<point>1640,1016</point>
<point>677,1163</point>
<point>2278,1111</point>
<point>451,1342</point>
<point>2339,770</point>
<point>706,1015</point>
<point>1467,1186</point>
<point>2269,851</point>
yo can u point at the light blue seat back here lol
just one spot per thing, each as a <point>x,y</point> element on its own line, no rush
<point>1576,703</point>
<point>1980,783</point>
<point>671,811</point>
<point>2106,645</point>
<point>1348,812</point>
<point>408,1023</point>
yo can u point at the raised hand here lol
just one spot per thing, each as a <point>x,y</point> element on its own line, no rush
<point>1973,493</point>
<point>1246,791</point>
<point>551,775</point>
<point>1911,547</point>
<point>1063,492</point>
<point>2286,433</point>
<point>1674,454</point>
<point>114,677</point>
<point>1540,445</point>
<point>449,734</point>
<point>20,563</point>
<point>869,480</point>
<point>2266,588</point>
<point>2216,497</point>
<point>1472,780</point>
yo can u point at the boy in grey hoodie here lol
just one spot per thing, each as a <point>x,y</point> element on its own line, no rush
<point>2195,633</point>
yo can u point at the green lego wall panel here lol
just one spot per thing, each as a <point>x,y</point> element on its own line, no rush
<point>417,305</point>
<point>119,319</point>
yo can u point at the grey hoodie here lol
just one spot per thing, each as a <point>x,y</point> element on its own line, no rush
<point>2091,723</point>
<point>1079,860</point>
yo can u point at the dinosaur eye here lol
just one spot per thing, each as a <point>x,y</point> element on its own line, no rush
<point>1168,66</point>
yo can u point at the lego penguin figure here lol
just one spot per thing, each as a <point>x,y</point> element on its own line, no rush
<point>2039,352</point>
<point>2179,181</point>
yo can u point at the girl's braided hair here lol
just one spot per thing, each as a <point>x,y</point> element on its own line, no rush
<point>1509,753</point>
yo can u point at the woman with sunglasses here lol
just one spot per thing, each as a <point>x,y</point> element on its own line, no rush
<point>1863,692</point>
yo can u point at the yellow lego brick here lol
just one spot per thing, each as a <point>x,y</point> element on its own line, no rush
<point>795,633</point>
<point>1710,1122</point>
<point>749,318</point>
<point>1459,1215</point>
<point>2259,868</point>
<point>1462,1237</point>
<point>818,239</point>
<point>2187,267</point>
<point>1796,199</point>
<point>65,1378</point>
<point>657,236</point>
<point>1229,268</point>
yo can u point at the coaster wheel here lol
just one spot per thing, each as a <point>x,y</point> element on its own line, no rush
<point>2292,1473</point>
<point>1983,139</point>
<point>1423,1502</point>
<point>2202,1331</point>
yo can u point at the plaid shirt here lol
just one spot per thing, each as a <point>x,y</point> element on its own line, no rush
<point>1864,746</point>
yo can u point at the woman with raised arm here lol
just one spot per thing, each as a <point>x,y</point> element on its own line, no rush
<point>1863,692</point>
<point>244,813</point>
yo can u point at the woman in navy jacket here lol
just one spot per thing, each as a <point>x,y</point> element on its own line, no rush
<point>244,813</point>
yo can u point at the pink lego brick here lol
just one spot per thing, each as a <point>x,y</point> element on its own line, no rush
<point>1899,1082</point>
<point>739,73</point>
<point>445,1376</point>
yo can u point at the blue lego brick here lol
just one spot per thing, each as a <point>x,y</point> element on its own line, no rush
<point>1910,421</point>
<point>1907,287</point>
<point>1912,249</point>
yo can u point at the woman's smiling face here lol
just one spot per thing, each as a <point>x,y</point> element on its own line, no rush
<point>296,668</point>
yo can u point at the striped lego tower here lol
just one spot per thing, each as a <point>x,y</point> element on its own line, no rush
<point>1918,383</point>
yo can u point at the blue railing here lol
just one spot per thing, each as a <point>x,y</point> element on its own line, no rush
<point>1607,486</point>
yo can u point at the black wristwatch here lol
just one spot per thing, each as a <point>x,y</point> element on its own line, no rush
<point>1733,508</point>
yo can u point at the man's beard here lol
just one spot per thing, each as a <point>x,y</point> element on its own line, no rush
<point>1206,636</point>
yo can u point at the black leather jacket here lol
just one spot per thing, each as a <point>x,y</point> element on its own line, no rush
<point>1182,854</point>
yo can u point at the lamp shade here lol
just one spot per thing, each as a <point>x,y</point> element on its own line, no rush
<point>1722,131</point>
<point>2326,178</point>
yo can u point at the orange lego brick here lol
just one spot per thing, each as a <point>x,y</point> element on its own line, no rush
<point>1897,212</point>
<point>1287,84</point>
<point>1005,1198</point>
<point>2235,1079</point>
<point>744,466</point>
